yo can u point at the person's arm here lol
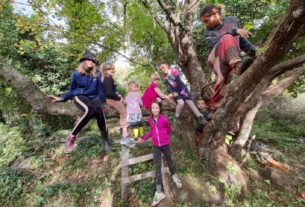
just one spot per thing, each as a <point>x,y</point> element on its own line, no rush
<point>168,126</point>
<point>159,92</point>
<point>211,38</point>
<point>100,87</point>
<point>108,84</point>
<point>238,30</point>
<point>146,136</point>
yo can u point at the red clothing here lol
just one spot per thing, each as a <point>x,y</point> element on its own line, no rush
<point>149,95</point>
<point>159,131</point>
<point>222,61</point>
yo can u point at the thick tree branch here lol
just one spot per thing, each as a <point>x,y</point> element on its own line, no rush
<point>289,78</point>
<point>166,8</point>
<point>40,103</point>
<point>250,109</point>
<point>287,65</point>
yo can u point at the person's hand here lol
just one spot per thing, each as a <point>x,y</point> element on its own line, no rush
<point>244,33</point>
<point>55,98</point>
<point>140,140</point>
<point>170,95</point>
<point>167,98</point>
<point>121,98</point>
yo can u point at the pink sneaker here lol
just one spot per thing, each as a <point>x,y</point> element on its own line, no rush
<point>70,143</point>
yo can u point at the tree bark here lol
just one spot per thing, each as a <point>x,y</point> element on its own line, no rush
<point>263,98</point>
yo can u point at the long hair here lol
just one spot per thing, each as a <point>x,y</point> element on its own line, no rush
<point>159,104</point>
<point>82,70</point>
<point>105,67</point>
<point>132,82</point>
<point>208,9</point>
<point>154,76</point>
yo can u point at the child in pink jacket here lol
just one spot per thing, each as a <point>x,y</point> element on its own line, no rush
<point>160,129</point>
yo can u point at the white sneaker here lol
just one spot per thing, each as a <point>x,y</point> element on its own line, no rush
<point>177,181</point>
<point>158,197</point>
<point>127,142</point>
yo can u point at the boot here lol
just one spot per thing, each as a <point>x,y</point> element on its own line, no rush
<point>244,65</point>
<point>107,146</point>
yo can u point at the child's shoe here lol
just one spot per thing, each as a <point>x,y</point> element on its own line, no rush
<point>107,146</point>
<point>141,129</point>
<point>158,197</point>
<point>135,132</point>
<point>127,142</point>
<point>177,181</point>
<point>70,143</point>
<point>202,121</point>
<point>244,65</point>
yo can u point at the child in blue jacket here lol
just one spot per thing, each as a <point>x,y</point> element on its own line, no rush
<point>87,92</point>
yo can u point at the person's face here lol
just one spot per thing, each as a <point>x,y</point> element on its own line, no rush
<point>201,104</point>
<point>164,68</point>
<point>89,65</point>
<point>110,70</point>
<point>212,19</point>
<point>155,109</point>
<point>134,87</point>
<point>156,81</point>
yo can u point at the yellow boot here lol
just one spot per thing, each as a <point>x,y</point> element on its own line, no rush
<point>135,133</point>
<point>141,129</point>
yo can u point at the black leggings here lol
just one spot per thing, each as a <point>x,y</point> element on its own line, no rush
<point>91,108</point>
<point>166,150</point>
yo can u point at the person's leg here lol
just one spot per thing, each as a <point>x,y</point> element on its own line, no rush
<point>85,105</point>
<point>168,158</point>
<point>101,122</point>
<point>120,108</point>
<point>193,108</point>
<point>179,107</point>
<point>158,164</point>
<point>171,165</point>
<point>223,60</point>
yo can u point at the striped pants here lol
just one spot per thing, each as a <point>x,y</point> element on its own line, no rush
<point>91,108</point>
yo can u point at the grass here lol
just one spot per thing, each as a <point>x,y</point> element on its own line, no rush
<point>53,178</point>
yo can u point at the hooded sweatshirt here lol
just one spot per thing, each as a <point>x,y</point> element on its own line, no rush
<point>160,130</point>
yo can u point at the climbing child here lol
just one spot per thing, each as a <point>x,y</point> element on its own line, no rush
<point>160,129</point>
<point>203,108</point>
<point>133,106</point>
<point>179,92</point>
<point>226,38</point>
<point>115,100</point>
<point>87,92</point>
<point>153,92</point>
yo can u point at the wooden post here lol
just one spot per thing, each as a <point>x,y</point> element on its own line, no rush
<point>124,173</point>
